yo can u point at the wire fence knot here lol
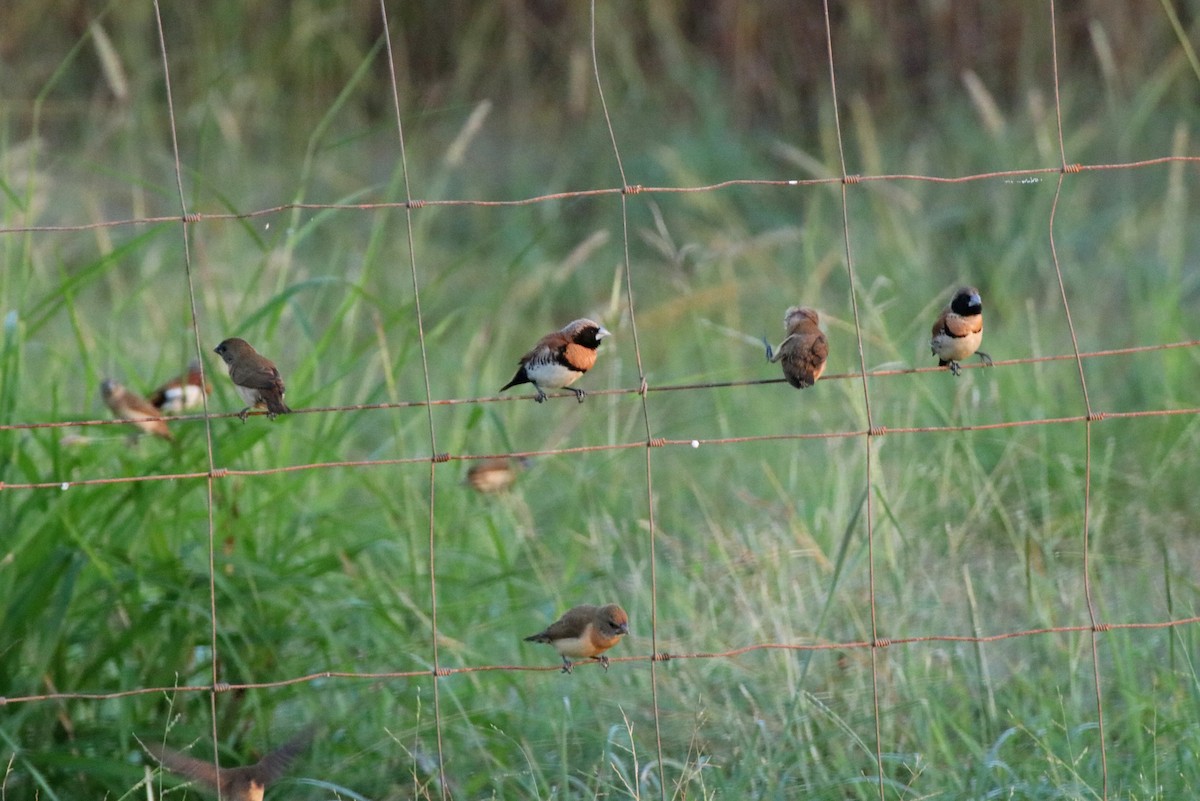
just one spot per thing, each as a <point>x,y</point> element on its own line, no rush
<point>440,672</point>
<point>1100,628</point>
<point>876,431</point>
<point>661,656</point>
<point>656,442</point>
<point>218,472</point>
<point>438,458</point>
<point>882,642</point>
<point>221,687</point>
<point>851,179</point>
<point>633,189</point>
<point>193,217</point>
<point>1072,168</point>
<point>1095,417</point>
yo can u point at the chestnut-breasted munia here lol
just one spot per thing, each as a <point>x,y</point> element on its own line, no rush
<point>803,352</point>
<point>128,405</point>
<point>585,632</point>
<point>560,358</point>
<point>958,331</point>
<point>235,784</point>
<point>183,393</point>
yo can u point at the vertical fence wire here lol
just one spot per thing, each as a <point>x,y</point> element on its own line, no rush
<point>208,440</point>
<point>637,350</point>
<point>433,447</point>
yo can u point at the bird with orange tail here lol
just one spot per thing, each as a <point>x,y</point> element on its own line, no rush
<point>585,632</point>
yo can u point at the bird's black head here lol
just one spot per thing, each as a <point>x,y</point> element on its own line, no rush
<point>587,333</point>
<point>966,302</point>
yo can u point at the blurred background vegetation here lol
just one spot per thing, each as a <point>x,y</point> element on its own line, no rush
<point>106,588</point>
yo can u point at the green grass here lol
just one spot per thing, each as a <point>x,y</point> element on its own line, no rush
<point>107,588</point>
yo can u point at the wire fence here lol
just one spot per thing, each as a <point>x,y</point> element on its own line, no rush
<point>1087,417</point>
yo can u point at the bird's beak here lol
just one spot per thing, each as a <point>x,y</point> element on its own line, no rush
<point>976,300</point>
<point>623,628</point>
<point>603,332</point>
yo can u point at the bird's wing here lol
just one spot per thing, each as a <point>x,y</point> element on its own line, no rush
<point>274,764</point>
<point>256,376</point>
<point>184,765</point>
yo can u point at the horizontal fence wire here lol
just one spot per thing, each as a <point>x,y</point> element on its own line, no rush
<point>200,217</point>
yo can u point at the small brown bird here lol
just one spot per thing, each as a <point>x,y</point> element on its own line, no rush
<point>560,358</point>
<point>585,632</point>
<point>255,377</point>
<point>235,784</point>
<point>497,474</point>
<point>958,331</point>
<point>804,350</point>
<point>128,405</point>
<point>183,393</point>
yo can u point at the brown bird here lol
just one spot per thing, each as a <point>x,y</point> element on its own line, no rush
<point>804,350</point>
<point>497,474</point>
<point>585,632</point>
<point>183,393</point>
<point>255,377</point>
<point>235,784</point>
<point>958,331</point>
<point>128,405</point>
<point>560,358</point>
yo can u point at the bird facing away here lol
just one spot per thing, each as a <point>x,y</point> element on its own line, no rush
<point>183,393</point>
<point>585,632</point>
<point>493,475</point>
<point>560,358</point>
<point>235,784</point>
<point>128,405</point>
<point>958,331</point>
<point>804,350</point>
<point>255,377</point>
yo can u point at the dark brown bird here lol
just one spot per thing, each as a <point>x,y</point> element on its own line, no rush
<point>255,376</point>
<point>493,475</point>
<point>235,784</point>
<point>128,405</point>
<point>585,632</point>
<point>183,393</point>
<point>958,331</point>
<point>559,359</point>
<point>804,350</point>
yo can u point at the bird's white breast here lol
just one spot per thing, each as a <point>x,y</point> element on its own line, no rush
<point>551,375</point>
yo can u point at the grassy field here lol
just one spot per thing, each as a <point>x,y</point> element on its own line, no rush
<point>106,587</point>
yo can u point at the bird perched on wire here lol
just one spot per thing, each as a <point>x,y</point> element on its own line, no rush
<point>128,405</point>
<point>804,350</point>
<point>958,331</point>
<point>235,784</point>
<point>560,358</point>
<point>255,376</point>
<point>182,393</point>
<point>585,632</point>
